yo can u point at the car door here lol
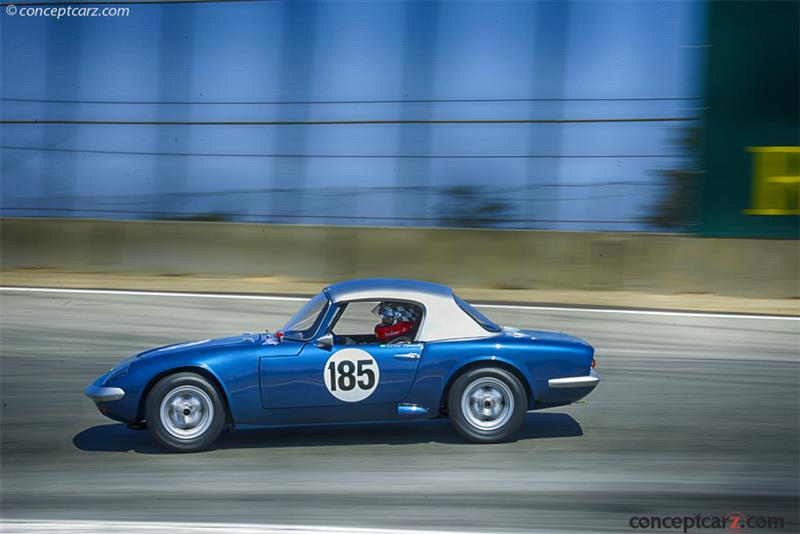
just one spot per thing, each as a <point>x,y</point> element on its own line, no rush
<point>350,371</point>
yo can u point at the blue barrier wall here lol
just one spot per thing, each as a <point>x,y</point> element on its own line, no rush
<point>557,115</point>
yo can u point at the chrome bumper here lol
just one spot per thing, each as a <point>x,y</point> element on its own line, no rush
<point>103,394</point>
<point>588,381</point>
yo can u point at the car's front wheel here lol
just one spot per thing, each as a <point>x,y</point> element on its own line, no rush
<point>185,412</point>
<point>487,405</point>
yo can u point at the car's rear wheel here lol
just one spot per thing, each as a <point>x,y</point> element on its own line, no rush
<point>487,405</point>
<point>185,412</point>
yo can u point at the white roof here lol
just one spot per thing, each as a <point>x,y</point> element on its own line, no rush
<point>444,318</point>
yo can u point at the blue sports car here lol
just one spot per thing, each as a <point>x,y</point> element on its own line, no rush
<point>363,350</point>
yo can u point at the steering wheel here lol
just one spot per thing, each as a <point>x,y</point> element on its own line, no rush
<point>399,340</point>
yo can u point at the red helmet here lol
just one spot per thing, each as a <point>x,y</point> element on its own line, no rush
<point>392,331</point>
<point>397,319</point>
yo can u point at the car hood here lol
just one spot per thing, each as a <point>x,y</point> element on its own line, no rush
<point>244,340</point>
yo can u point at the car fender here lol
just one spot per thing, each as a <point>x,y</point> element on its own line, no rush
<point>473,361</point>
<point>234,371</point>
<point>188,367</point>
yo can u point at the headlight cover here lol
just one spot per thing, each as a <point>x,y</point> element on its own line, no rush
<point>120,370</point>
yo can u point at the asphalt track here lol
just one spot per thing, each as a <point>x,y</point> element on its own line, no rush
<point>695,415</point>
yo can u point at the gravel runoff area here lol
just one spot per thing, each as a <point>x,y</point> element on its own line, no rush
<point>288,286</point>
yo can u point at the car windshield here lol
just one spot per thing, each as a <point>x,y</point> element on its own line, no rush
<point>304,324</point>
<point>477,316</point>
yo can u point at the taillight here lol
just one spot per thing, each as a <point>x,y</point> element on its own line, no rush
<point>594,362</point>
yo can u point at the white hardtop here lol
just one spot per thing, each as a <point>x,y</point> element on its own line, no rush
<point>444,319</point>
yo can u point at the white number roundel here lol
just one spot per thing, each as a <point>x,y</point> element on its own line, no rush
<point>351,375</point>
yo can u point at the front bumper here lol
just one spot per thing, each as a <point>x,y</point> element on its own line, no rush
<point>103,393</point>
<point>587,381</point>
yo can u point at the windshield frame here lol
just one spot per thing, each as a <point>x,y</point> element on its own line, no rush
<point>484,322</point>
<point>304,312</point>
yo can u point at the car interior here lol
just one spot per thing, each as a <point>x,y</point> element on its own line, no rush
<point>357,322</point>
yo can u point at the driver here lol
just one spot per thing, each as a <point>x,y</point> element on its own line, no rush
<point>397,320</point>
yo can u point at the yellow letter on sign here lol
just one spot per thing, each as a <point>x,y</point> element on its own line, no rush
<point>776,180</point>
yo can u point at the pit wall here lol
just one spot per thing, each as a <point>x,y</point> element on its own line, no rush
<point>502,259</point>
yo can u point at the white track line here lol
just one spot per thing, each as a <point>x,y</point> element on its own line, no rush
<point>303,299</point>
<point>142,527</point>
<point>145,293</point>
<point>641,312</point>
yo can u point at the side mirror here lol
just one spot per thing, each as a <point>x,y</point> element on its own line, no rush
<point>325,342</point>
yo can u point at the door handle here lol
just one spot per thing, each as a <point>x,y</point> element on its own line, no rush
<point>407,356</point>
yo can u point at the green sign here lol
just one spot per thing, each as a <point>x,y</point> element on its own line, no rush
<point>752,121</point>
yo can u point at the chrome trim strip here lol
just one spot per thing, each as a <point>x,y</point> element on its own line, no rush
<point>407,356</point>
<point>587,381</point>
<point>411,409</point>
<point>103,394</point>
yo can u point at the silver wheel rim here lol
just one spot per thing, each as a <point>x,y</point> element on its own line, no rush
<point>487,403</point>
<point>186,412</point>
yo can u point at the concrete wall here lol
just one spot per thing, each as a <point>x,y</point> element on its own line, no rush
<point>657,263</point>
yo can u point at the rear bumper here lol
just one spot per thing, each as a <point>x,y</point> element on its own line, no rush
<point>103,394</point>
<point>587,381</point>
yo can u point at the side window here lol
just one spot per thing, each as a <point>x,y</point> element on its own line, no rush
<point>377,322</point>
<point>357,319</point>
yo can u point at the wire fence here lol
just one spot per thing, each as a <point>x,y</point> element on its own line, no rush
<point>281,138</point>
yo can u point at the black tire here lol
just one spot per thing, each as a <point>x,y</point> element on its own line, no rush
<point>195,394</point>
<point>499,385</point>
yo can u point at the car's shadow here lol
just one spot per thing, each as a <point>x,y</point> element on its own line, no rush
<point>118,438</point>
